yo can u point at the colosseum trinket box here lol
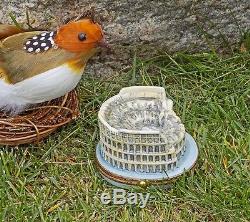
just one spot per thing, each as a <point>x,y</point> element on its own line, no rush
<point>142,140</point>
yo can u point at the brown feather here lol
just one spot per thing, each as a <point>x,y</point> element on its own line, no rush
<point>8,30</point>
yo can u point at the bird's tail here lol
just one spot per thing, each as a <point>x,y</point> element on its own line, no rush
<point>8,30</point>
<point>10,102</point>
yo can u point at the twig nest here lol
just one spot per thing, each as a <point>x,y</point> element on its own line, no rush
<point>38,122</point>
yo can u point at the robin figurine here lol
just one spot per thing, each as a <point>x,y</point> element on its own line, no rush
<point>40,66</point>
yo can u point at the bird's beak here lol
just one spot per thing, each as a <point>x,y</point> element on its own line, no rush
<point>103,44</point>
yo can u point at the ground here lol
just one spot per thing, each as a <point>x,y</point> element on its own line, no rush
<point>58,181</point>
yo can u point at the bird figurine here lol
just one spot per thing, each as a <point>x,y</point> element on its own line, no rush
<point>40,66</point>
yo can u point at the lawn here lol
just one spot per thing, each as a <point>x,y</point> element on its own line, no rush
<point>57,180</point>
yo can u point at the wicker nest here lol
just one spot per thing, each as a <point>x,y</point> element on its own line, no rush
<point>36,123</point>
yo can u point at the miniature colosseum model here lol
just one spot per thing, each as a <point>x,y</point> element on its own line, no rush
<point>142,140</point>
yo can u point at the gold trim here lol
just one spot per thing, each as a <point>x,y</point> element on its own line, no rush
<point>129,181</point>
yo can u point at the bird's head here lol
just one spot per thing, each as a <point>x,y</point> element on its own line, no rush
<point>80,36</point>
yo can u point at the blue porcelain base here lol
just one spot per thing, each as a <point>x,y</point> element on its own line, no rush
<point>185,163</point>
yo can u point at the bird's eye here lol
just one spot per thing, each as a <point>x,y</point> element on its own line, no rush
<point>82,36</point>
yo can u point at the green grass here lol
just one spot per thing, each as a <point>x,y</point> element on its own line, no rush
<point>58,181</point>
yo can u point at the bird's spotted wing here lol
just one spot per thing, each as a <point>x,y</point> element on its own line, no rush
<point>19,64</point>
<point>40,43</point>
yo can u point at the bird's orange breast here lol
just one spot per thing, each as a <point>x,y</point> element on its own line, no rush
<point>76,65</point>
<point>4,76</point>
